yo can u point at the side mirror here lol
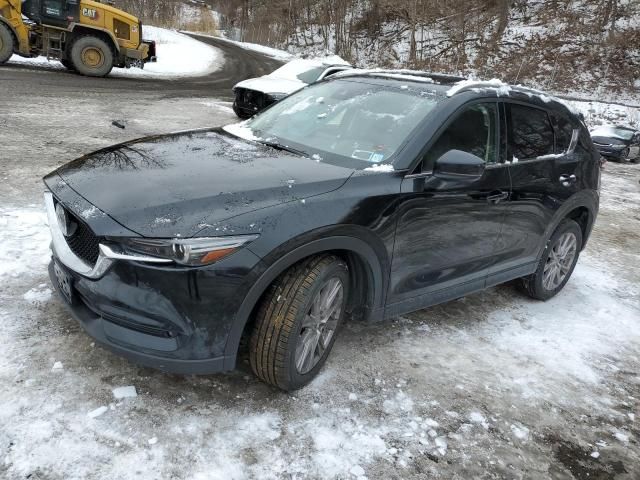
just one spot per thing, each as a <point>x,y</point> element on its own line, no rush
<point>459,163</point>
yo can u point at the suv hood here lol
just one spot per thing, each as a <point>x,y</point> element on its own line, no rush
<point>178,184</point>
<point>268,84</point>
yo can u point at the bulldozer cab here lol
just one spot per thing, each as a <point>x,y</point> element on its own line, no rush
<point>58,13</point>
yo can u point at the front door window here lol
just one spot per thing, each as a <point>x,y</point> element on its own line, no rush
<point>473,131</point>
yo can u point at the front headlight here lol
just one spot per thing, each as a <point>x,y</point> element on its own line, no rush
<point>188,251</point>
<point>618,147</point>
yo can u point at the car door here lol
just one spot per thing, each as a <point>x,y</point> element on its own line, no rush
<point>447,228</point>
<point>543,168</point>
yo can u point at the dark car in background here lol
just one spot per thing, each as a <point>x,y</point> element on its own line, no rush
<point>256,94</point>
<point>365,196</point>
<point>617,143</point>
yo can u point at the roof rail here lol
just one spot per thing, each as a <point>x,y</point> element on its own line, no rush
<point>440,78</point>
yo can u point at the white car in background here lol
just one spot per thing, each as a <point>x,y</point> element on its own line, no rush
<point>255,94</point>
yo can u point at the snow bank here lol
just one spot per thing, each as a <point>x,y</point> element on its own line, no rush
<point>601,113</point>
<point>25,244</point>
<point>178,56</point>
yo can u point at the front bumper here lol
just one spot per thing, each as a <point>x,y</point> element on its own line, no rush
<point>172,318</point>
<point>138,347</point>
<point>612,153</point>
<point>250,102</point>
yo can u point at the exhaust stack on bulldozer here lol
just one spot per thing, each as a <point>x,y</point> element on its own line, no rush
<point>85,36</point>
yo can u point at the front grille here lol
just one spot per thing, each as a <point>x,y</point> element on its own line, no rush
<point>83,242</point>
<point>251,98</point>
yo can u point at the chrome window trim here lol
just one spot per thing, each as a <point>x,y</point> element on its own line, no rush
<point>65,255</point>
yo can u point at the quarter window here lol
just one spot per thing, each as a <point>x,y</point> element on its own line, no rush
<point>531,134</point>
<point>564,133</point>
<point>473,131</point>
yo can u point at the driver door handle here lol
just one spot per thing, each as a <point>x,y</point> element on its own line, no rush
<point>497,197</point>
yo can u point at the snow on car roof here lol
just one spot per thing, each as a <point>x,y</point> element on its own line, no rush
<point>503,89</point>
<point>400,74</point>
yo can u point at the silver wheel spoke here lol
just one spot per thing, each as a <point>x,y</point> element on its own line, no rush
<point>310,321</point>
<point>332,291</point>
<point>559,261</point>
<point>319,325</point>
<point>306,348</point>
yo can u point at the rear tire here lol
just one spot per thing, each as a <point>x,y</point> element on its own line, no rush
<point>7,43</point>
<point>298,320</point>
<point>557,263</point>
<point>91,56</point>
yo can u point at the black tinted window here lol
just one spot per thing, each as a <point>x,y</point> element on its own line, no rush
<point>531,134</point>
<point>564,133</point>
<point>473,131</point>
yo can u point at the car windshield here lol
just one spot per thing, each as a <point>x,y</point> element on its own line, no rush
<point>353,123</point>
<point>616,132</point>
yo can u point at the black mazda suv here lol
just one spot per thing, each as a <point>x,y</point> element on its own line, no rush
<point>364,196</point>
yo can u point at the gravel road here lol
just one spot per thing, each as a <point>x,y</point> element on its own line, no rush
<point>493,385</point>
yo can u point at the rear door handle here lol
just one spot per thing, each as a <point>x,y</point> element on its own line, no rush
<point>497,197</point>
<point>567,180</point>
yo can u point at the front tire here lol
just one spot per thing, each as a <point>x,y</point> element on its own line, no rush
<point>558,261</point>
<point>297,322</point>
<point>7,43</point>
<point>91,56</point>
<point>624,156</point>
<point>67,64</point>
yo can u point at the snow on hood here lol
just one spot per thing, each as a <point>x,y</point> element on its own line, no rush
<point>268,84</point>
<point>285,79</point>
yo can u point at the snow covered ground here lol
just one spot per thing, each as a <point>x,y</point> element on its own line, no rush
<point>178,56</point>
<point>493,385</point>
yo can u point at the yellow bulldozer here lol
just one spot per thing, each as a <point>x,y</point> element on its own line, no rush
<point>86,36</point>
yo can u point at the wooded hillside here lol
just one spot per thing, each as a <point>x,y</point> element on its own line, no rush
<point>587,46</point>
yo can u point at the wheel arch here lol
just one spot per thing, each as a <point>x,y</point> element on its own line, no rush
<point>12,30</point>
<point>365,269</point>
<point>584,218</point>
<point>79,31</point>
<point>582,208</point>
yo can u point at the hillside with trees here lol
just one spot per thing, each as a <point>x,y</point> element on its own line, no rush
<point>589,47</point>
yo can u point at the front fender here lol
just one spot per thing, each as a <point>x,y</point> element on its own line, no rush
<point>374,257</point>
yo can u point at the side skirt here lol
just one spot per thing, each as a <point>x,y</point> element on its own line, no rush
<point>457,291</point>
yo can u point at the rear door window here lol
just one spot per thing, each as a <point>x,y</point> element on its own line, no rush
<point>530,133</point>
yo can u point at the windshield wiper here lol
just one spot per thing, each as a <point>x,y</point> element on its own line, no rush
<point>286,148</point>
